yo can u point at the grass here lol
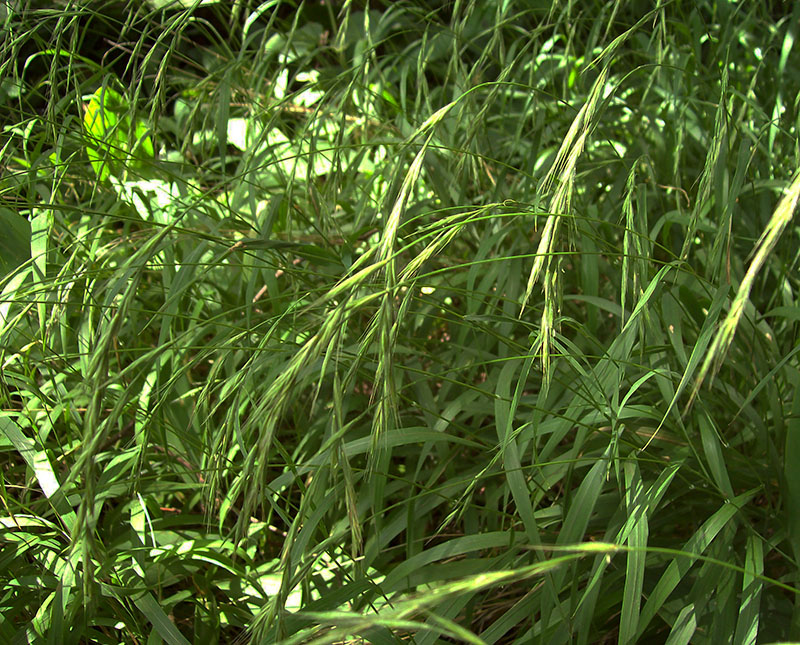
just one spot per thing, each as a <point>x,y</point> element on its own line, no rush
<point>425,323</point>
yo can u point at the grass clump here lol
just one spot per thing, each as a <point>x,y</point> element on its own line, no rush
<point>410,322</point>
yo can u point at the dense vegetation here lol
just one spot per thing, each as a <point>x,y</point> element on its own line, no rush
<point>398,322</point>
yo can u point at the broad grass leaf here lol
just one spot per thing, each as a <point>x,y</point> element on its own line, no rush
<point>15,243</point>
<point>163,626</point>
<point>696,545</point>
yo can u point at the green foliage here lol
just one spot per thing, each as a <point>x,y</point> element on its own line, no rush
<point>414,323</point>
<point>111,140</point>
